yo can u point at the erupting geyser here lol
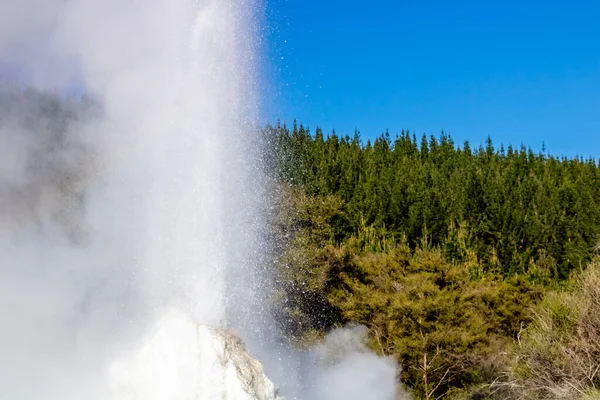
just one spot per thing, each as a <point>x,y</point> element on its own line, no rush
<point>145,204</point>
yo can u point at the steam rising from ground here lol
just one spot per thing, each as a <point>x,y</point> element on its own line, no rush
<point>150,198</point>
<point>346,369</point>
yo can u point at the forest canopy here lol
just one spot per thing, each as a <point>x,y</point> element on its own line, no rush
<point>519,211</point>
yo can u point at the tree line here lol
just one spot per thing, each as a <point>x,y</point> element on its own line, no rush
<point>518,209</point>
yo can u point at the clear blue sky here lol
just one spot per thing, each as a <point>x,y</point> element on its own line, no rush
<point>520,71</point>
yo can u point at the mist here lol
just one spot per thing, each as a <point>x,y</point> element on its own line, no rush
<point>146,194</point>
<point>105,217</point>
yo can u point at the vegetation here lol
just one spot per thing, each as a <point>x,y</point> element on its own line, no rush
<point>441,251</point>
<point>558,355</point>
<point>514,207</point>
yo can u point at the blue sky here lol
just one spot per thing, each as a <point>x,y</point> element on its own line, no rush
<point>520,71</point>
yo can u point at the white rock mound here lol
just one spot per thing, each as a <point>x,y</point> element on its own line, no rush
<point>182,360</point>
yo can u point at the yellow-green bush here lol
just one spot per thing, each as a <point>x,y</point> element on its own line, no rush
<point>449,329</point>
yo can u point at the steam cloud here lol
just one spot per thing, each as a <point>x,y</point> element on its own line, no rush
<point>346,369</point>
<point>106,218</point>
<point>149,198</point>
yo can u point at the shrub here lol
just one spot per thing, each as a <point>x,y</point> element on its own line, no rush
<point>558,355</point>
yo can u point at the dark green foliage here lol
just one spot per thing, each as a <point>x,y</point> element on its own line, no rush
<point>517,207</point>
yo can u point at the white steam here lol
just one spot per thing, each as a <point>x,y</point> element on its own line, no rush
<point>87,256</point>
<point>341,368</point>
<point>346,369</point>
<point>111,212</point>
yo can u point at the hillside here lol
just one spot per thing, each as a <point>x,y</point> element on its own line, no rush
<point>443,251</point>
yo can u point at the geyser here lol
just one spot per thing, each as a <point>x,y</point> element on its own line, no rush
<point>147,199</point>
<point>162,166</point>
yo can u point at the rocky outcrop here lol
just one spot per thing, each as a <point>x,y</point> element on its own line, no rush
<point>182,360</point>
